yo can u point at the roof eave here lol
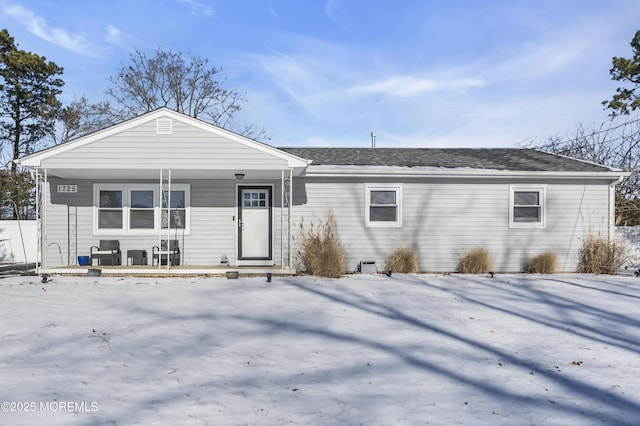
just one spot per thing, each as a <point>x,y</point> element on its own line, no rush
<point>327,171</point>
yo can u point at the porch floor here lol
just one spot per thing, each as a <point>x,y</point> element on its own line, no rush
<point>163,271</point>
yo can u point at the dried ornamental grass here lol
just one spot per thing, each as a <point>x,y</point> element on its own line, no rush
<point>403,260</point>
<point>477,261</point>
<point>321,253</point>
<point>601,256</point>
<point>544,263</point>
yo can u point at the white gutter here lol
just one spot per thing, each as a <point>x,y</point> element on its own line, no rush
<point>403,172</point>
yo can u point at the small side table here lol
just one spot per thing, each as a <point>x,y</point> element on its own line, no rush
<point>137,257</point>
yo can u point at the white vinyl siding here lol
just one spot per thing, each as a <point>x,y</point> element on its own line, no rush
<point>187,147</point>
<point>212,220</point>
<point>444,218</point>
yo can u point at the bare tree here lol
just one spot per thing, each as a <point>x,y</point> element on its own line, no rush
<point>78,119</point>
<point>611,144</point>
<point>186,84</point>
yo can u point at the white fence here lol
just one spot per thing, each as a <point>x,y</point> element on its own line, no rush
<point>12,235</point>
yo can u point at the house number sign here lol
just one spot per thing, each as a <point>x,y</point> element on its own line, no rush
<point>67,188</point>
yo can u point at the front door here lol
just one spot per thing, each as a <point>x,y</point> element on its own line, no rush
<point>254,223</point>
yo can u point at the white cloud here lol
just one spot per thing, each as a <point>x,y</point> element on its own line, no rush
<point>539,59</point>
<point>332,9</point>
<point>308,81</point>
<point>515,89</point>
<point>38,26</point>
<point>123,40</point>
<point>406,86</point>
<point>197,8</point>
<point>114,35</point>
<point>273,13</point>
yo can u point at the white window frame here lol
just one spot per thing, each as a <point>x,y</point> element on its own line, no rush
<point>96,208</point>
<point>126,207</point>
<point>187,206</point>
<point>368,188</point>
<point>542,195</point>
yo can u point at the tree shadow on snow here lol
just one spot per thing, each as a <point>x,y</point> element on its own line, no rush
<point>146,343</point>
<point>626,407</point>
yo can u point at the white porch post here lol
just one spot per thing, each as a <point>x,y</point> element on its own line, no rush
<point>43,220</point>
<point>286,195</point>
<point>290,203</point>
<point>281,217</point>
<point>164,187</point>
<point>38,222</point>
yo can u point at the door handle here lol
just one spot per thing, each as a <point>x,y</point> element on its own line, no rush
<point>239,222</point>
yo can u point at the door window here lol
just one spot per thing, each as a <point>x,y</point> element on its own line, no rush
<point>254,199</point>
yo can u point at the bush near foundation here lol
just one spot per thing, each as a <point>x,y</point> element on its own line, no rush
<point>476,261</point>
<point>601,256</point>
<point>404,260</point>
<point>544,263</point>
<point>320,252</point>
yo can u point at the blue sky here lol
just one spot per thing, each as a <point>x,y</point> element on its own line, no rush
<point>420,73</point>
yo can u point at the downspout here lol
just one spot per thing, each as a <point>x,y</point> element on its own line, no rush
<point>290,203</point>
<point>281,218</point>
<point>612,206</point>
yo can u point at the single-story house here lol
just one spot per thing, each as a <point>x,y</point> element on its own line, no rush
<point>229,200</point>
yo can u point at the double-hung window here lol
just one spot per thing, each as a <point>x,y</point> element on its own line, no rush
<point>527,206</point>
<point>110,208</point>
<point>176,201</point>
<point>383,205</point>
<point>140,208</point>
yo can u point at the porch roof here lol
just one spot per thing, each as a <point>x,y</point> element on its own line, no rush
<point>163,140</point>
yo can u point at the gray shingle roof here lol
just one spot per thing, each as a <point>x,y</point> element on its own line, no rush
<point>512,159</point>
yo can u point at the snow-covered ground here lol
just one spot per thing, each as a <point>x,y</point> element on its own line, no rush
<point>370,350</point>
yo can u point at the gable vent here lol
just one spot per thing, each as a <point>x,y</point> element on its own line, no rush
<point>164,126</point>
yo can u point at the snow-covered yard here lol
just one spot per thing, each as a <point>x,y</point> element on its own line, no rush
<point>371,350</point>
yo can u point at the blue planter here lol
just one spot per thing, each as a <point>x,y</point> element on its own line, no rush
<point>83,260</point>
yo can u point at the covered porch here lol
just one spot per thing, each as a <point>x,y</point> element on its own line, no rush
<point>219,220</point>
<point>167,188</point>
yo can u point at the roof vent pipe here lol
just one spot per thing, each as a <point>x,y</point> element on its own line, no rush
<point>373,139</point>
